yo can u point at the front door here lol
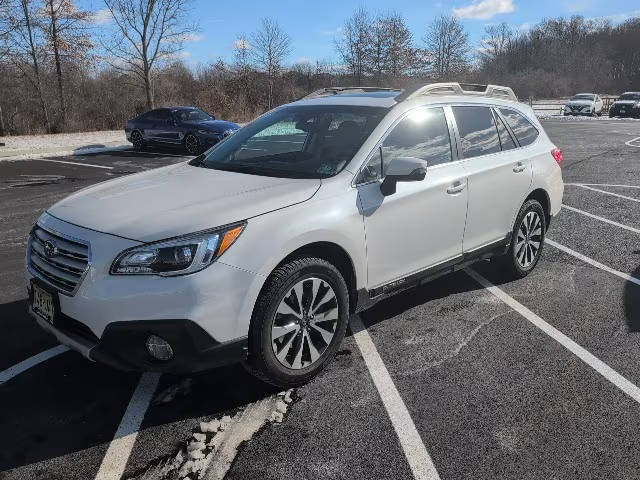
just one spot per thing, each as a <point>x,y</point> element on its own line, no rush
<point>421,225</point>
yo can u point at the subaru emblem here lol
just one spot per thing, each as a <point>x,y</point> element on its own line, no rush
<point>50,249</point>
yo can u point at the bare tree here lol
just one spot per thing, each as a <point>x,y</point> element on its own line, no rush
<point>65,28</point>
<point>271,45</point>
<point>402,54</point>
<point>495,42</point>
<point>241,53</point>
<point>378,48</point>
<point>24,45</point>
<point>448,45</point>
<point>353,45</point>
<point>150,32</point>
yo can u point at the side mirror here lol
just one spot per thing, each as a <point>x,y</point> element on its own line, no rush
<point>402,169</point>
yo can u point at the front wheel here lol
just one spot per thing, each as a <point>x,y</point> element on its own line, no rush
<point>527,240</point>
<point>298,322</point>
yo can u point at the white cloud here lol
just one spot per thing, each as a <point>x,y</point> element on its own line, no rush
<point>577,6</point>
<point>191,37</point>
<point>524,27</point>
<point>101,16</point>
<point>334,32</point>
<point>241,44</point>
<point>619,17</point>
<point>303,61</point>
<point>484,9</point>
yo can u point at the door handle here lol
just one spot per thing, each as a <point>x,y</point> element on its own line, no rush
<point>456,187</point>
<point>520,167</point>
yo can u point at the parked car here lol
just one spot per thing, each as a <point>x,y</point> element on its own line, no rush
<point>584,104</point>
<point>187,126</point>
<point>627,105</point>
<point>260,249</point>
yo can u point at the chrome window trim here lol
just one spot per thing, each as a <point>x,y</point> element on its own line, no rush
<point>36,274</point>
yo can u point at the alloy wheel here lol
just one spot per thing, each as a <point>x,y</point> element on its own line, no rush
<point>528,239</point>
<point>136,140</point>
<point>192,144</point>
<point>304,323</point>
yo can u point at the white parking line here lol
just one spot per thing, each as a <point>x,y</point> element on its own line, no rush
<point>602,219</point>
<point>416,453</point>
<point>603,185</point>
<point>591,261</point>
<point>73,163</point>
<point>633,140</point>
<point>594,362</point>
<point>607,193</point>
<point>18,368</point>
<point>115,460</point>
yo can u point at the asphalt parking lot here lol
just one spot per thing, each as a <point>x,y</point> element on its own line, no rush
<point>480,378</point>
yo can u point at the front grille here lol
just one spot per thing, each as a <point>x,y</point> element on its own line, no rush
<point>58,260</point>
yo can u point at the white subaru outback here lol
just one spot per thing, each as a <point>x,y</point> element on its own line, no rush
<point>260,249</point>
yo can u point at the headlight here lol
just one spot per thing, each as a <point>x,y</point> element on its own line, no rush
<point>177,256</point>
<point>209,133</point>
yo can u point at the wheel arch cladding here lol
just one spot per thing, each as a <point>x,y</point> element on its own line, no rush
<point>335,255</point>
<point>542,197</point>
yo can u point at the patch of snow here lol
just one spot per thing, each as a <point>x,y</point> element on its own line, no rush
<point>210,452</point>
<point>37,146</point>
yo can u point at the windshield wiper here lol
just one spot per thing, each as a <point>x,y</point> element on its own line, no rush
<point>198,161</point>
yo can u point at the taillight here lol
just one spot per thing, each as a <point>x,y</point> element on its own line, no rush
<point>557,155</point>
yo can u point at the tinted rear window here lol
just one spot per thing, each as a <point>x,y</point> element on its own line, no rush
<point>477,131</point>
<point>521,127</point>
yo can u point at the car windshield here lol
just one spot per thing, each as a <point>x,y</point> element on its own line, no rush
<point>191,115</point>
<point>583,96</point>
<point>296,142</point>
<point>630,96</point>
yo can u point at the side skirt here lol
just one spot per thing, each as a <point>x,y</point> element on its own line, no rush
<point>368,298</point>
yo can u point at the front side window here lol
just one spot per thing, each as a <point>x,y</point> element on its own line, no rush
<point>423,133</point>
<point>296,141</point>
<point>522,128</point>
<point>477,129</point>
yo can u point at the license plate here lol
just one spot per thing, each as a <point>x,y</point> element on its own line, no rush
<point>622,110</point>
<point>42,303</point>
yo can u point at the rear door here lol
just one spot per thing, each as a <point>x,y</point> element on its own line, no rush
<point>165,129</point>
<point>499,174</point>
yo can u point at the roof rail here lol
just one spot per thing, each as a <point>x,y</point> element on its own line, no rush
<point>455,88</point>
<point>324,92</point>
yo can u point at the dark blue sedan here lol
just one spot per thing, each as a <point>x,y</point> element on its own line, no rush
<point>187,126</point>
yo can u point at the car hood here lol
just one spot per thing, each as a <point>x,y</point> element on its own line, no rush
<point>215,125</point>
<point>177,200</point>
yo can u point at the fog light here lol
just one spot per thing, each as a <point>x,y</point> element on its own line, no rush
<point>159,348</point>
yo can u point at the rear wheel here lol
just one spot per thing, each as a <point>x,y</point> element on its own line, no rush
<point>137,140</point>
<point>527,240</point>
<point>298,322</point>
<point>192,144</point>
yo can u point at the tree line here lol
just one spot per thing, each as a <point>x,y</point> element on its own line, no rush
<point>66,69</point>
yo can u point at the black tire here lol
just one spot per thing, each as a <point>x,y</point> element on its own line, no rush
<point>192,144</point>
<point>513,268</point>
<point>262,361</point>
<point>137,140</point>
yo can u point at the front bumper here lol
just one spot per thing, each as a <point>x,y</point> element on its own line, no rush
<point>205,314</point>
<point>122,345</point>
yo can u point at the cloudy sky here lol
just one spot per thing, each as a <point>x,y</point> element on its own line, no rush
<point>313,28</point>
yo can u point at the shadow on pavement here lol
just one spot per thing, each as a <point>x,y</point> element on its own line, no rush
<point>632,303</point>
